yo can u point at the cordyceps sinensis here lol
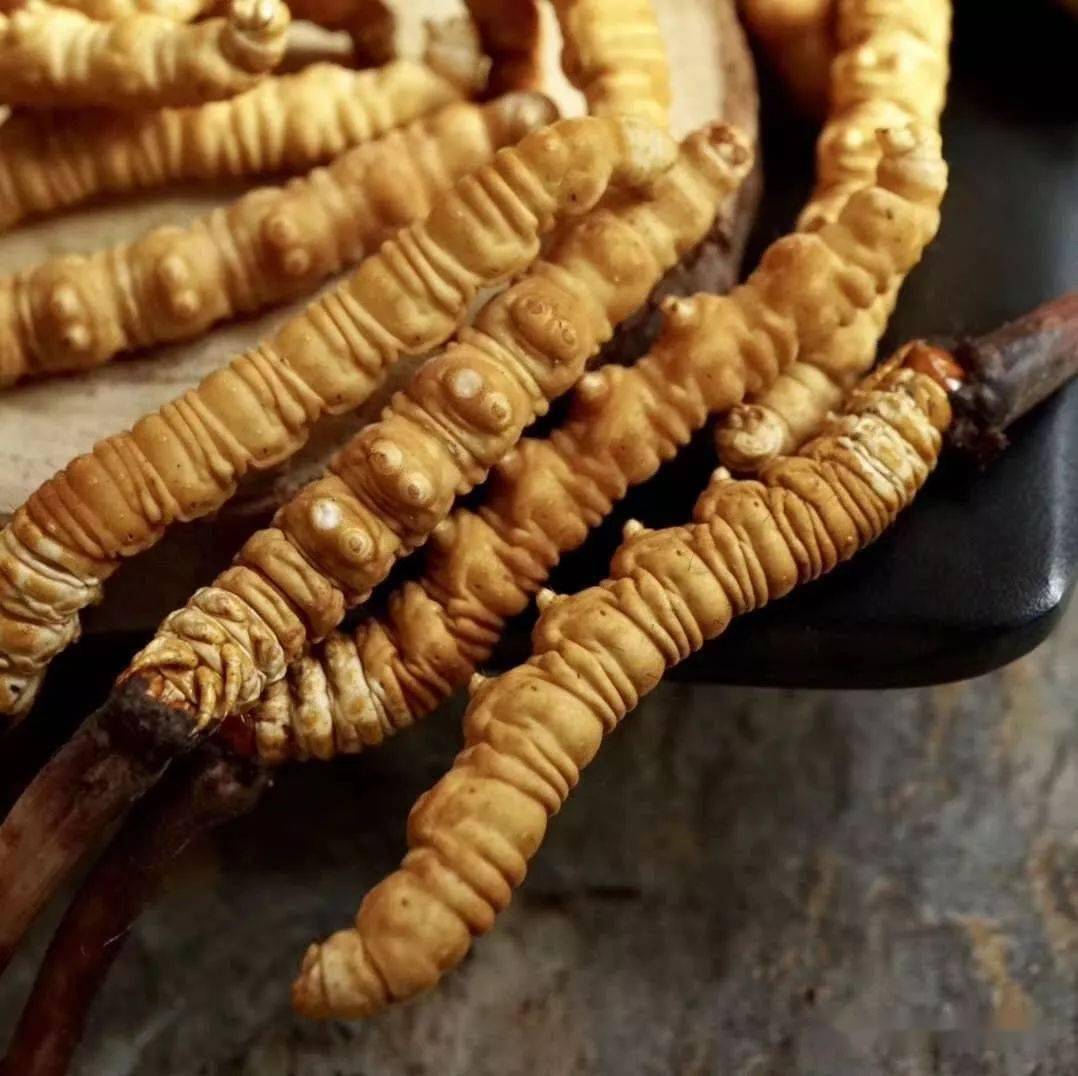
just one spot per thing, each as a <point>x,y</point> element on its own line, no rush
<point>891,70</point>
<point>461,412</point>
<point>529,733</point>
<point>613,52</point>
<point>58,57</point>
<point>813,292</point>
<point>107,10</point>
<point>78,311</point>
<point>287,123</point>
<point>184,460</point>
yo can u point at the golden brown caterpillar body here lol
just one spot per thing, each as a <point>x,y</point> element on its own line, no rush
<point>892,68</point>
<point>285,124</point>
<point>106,10</point>
<point>184,460</point>
<point>58,57</point>
<point>529,733</point>
<point>74,312</point>
<point>818,291</point>
<point>395,481</point>
<point>614,54</point>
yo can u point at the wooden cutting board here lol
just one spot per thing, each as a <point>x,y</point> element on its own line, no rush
<point>44,424</point>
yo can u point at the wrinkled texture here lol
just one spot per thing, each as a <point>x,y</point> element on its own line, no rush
<point>483,565</point>
<point>59,57</point>
<point>614,54</point>
<point>287,123</point>
<point>104,10</point>
<point>75,312</point>
<point>461,412</point>
<point>529,733</point>
<point>184,460</point>
<point>891,70</point>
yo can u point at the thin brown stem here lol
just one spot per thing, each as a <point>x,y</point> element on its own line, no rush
<point>114,758</point>
<point>194,797</point>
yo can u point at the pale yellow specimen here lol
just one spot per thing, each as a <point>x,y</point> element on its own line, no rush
<point>529,733</point>
<point>74,311</point>
<point>461,412</point>
<point>615,55</point>
<point>285,124</point>
<point>892,68</point>
<point>185,459</point>
<point>104,10</point>
<point>59,57</point>
<point>818,291</point>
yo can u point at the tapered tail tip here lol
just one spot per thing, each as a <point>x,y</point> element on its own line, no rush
<point>338,981</point>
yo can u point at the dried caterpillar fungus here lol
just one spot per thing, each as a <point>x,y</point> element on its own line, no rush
<point>74,312</point>
<point>530,732</point>
<point>892,69</point>
<point>810,293</point>
<point>184,460</point>
<point>285,124</point>
<point>59,57</point>
<point>614,54</point>
<point>105,10</point>
<point>395,481</point>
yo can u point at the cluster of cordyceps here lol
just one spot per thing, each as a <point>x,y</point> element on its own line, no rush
<point>434,198</point>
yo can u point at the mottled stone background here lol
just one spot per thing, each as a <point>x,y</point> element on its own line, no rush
<point>747,882</point>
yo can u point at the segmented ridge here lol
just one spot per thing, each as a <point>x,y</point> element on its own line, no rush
<point>185,459</point>
<point>57,56</point>
<point>891,70</point>
<point>288,123</point>
<point>614,54</point>
<point>483,566</point>
<point>464,409</point>
<point>273,244</point>
<point>530,732</point>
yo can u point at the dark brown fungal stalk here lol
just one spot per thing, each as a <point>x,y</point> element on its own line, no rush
<point>1010,371</point>
<point>194,797</point>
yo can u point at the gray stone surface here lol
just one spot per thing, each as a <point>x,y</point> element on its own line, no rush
<point>746,882</point>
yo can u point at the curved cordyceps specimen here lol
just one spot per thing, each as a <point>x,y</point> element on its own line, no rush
<point>811,294</point>
<point>892,70</point>
<point>397,479</point>
<point>614,54</point>
<point>74,312</point>
<point>58,57</point>
<point>106,10</point>
<point>185,459</point>
<point>529,733</point>
<point>285,124</point>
